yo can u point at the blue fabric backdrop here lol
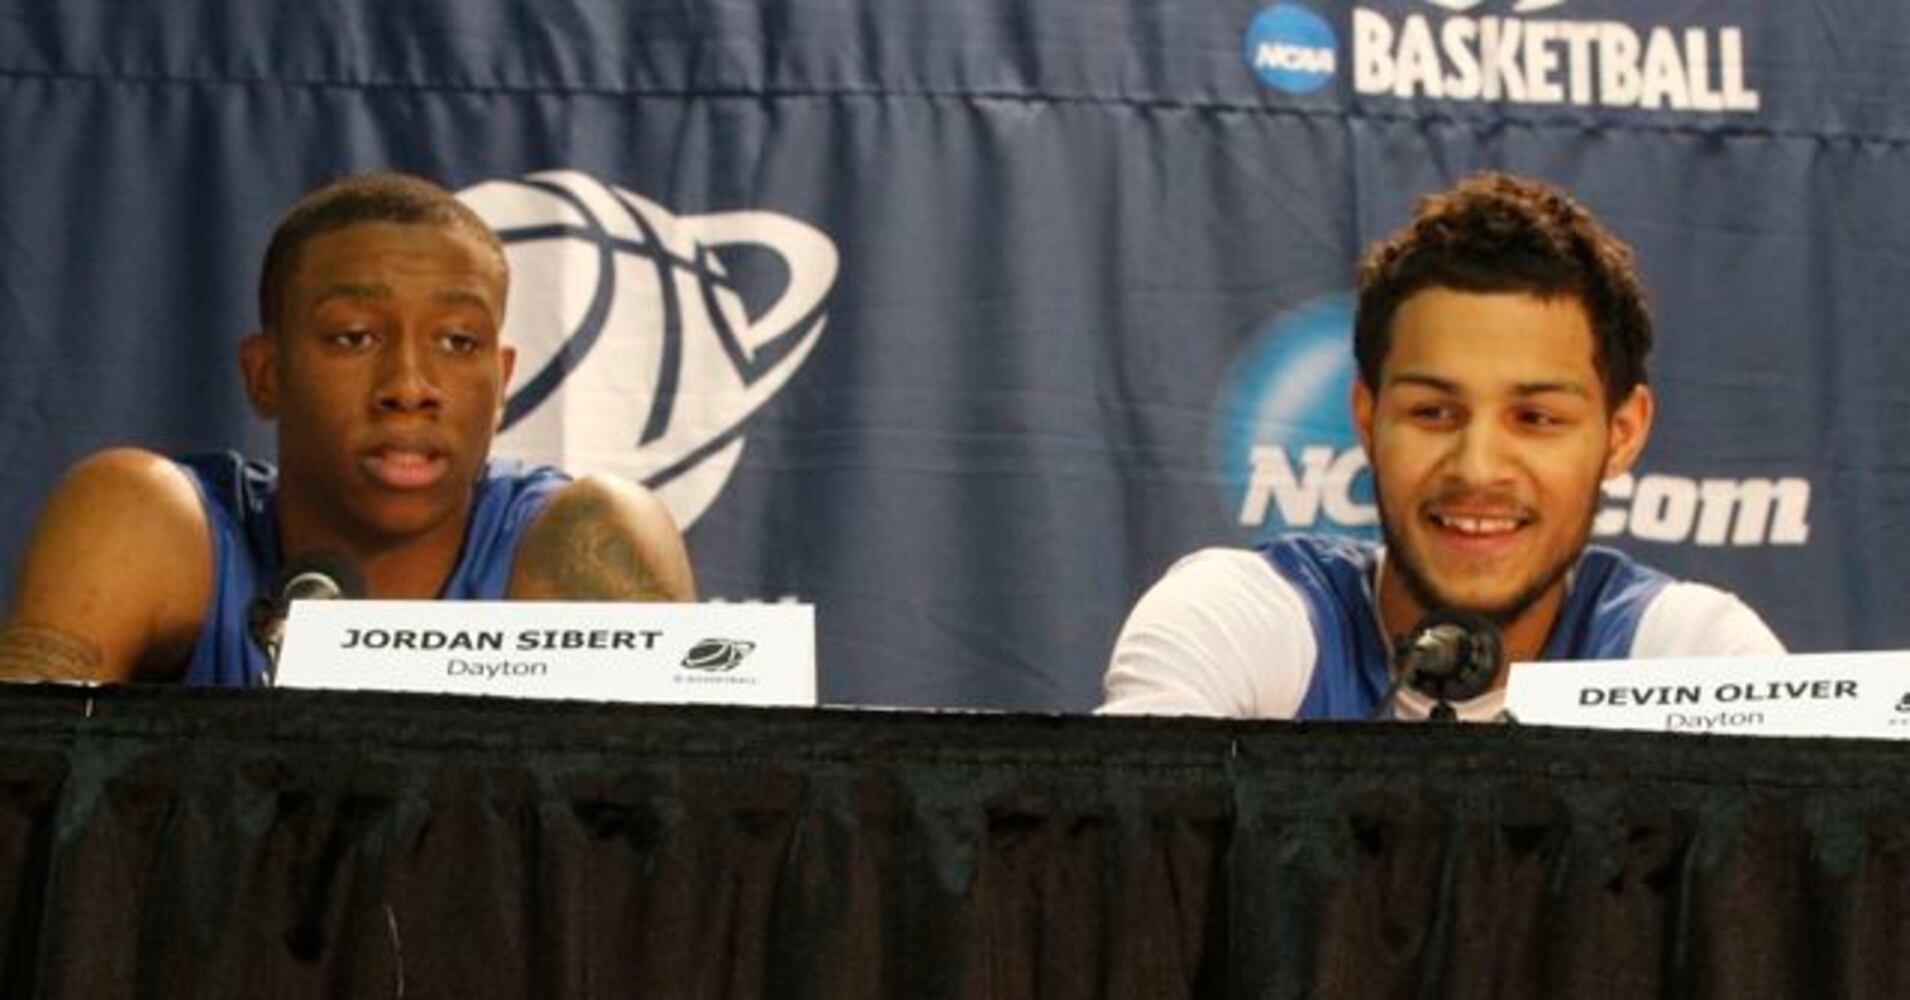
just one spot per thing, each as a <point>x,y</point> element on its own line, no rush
<point>963,320</point>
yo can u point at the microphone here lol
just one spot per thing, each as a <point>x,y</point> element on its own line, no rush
<point>319,576</point>
<point>1451,655</point>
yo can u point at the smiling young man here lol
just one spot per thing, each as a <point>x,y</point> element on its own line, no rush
<point>380,360</point>
<point>1501,339</point>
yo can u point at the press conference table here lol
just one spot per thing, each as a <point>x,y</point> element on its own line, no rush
<point>167,842</point>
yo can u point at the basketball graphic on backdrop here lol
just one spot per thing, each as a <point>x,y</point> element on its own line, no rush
<point>637,353</point>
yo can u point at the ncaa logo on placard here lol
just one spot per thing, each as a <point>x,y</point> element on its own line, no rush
<point>717,655</point>
<point>1292,49</point>
<point>1284,445</point>
<point>639,353</point>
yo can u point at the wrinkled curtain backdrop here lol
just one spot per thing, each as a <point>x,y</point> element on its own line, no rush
<point>293,844</point>
<point>962,320</point>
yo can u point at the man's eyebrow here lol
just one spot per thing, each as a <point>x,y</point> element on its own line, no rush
<point>1452,387</point>
<point>462,297</point>
<point>353,290</point>
<point>1542,388</point>
<point>1433,382</point>
<point>380,290</point>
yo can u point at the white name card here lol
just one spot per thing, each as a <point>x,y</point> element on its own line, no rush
<point>739,654</point>
<point>1818,694</point>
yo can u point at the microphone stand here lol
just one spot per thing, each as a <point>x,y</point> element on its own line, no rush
<point>1449,653</point>
<point>1442,710</point>
<point>317,576</point>
<point>265,623</point>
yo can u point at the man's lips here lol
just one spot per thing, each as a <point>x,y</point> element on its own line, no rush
<point>1478,524</point>
<point>400,467</point>
<point>1477,531</point>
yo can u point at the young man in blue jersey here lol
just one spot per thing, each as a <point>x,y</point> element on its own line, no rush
<point>380,360</point>
<point>1501,339</point>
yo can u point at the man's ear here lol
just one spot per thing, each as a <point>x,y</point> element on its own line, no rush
<point>507,363</point>
<point>1630,426</point>
<point>258,365</point>
<point>1363,403</point>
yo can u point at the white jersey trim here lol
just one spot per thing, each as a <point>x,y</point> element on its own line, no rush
<point>1692,619</point>
<point>1222,634</point>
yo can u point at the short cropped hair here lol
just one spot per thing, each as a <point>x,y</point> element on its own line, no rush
<point>1496,232</point>
<point>373,197</point>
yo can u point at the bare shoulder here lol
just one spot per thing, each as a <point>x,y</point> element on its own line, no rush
<point>602,538</point>
<point>134,473</point>
<point>116,573</point>
<point>127,491</point>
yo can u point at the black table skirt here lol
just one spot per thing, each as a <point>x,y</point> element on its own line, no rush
<point>164,842</point>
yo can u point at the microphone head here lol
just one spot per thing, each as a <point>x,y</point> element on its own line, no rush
<point>1451,655</point>
<point>318,576</point>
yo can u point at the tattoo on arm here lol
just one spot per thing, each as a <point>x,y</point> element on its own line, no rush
<point>36,652</point>
<point>576,553</point>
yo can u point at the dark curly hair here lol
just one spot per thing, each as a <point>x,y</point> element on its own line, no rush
<point>373,197</point>
<point>1496,232</point>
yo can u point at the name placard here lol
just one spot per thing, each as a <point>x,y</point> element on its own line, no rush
<point>747,654</point>
<point>1817,694</point>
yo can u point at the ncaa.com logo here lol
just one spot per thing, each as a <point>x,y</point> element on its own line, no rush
<point>1450,54</point>
<point>1292,48</point>
<point>638,352</point>
<point>1288,459</point>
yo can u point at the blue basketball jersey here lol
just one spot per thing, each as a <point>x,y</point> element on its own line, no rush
<point>1605,600</point>
<point>239,500</point>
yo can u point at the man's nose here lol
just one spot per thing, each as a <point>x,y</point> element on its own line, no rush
<point>1480,453</point>
<point>407,378</point>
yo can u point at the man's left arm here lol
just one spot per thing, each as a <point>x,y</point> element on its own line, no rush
<point>603,539</point>
<point>1695,619</point>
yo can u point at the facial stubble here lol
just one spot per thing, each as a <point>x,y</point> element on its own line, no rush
<point>1418,583</point>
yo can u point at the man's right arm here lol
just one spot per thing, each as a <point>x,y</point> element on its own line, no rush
<point>116,577</point>
<point>1221,634</point>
